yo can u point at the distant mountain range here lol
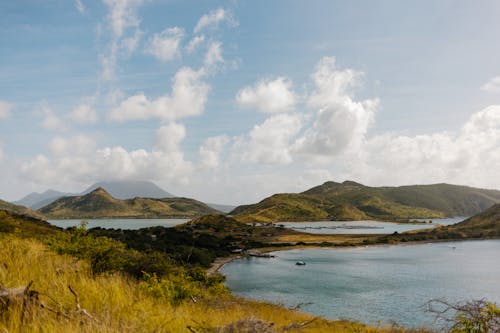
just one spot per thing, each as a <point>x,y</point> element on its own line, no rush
<point>117,189</point>
<point>100,204</point>
<point>353,201</point>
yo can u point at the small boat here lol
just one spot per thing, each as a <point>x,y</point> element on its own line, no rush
<point>300,263</point>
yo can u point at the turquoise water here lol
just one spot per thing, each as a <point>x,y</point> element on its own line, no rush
<point>375,283</point>
<point>131,224</point>
<point>363,227</point>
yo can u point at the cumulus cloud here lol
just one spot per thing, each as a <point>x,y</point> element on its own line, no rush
<point>340,122</point>
<point>76,160</point>
<point>188,98</point>
<point>214,54</point>
<point>194,43</point>
<point>125,31</point>
<point>210,151</point>
<point>270,142</point>
<point>493,85</point>
<point>270,96</point>
<point>213,18</point>
<point>51,121</point>
<point>166,45</point>
<point>84,114</point>
<point>77,145</point>
<point>5,109</point>
<point>470,156</point>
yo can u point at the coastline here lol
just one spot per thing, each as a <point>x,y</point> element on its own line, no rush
<point>219,263</point>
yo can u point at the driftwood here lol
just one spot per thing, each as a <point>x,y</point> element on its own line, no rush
<point>28,298</point>
<point>19,295</point>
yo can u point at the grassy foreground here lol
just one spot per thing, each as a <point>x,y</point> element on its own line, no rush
<point>118,303</point>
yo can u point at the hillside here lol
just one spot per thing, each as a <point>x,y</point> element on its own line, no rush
<point>69,293</point>
<point>484,225</point>
<point>100,204</point>
<point>4,205</point>
<point>353,201</point>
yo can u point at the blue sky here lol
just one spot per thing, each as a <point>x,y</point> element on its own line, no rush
<point>275,96</point>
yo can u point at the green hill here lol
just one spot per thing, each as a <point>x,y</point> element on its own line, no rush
<point>353,201</point>
<point>100,204</point>
<point>485,225</point>
<point>7,206</point>
<point>25,225</point>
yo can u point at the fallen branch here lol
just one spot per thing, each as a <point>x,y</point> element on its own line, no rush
<point>296,326</point>
<point>78,306</point>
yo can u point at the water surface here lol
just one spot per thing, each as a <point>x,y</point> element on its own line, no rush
<point>131,224</point>
<point>375,283</point>
<point>365,227</point>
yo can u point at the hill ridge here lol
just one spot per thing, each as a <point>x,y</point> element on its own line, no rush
<point>101,204</point>
<point>350,200</point>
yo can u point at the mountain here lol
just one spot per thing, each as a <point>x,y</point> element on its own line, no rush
<point>353,201</point>
<point>118,189</point>
<point>37,200</point>
<point>100,204</point>
<point>221,208</point>
<point>131,189</point>
<point>18,209</point>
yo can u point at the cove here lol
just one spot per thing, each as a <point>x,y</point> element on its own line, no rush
<point>388,283</point>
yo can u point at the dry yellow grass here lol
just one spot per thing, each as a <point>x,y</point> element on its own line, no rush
<point>118,304</point>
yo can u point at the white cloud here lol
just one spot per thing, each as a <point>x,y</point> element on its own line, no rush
<point>471,156</point>
<point>194,43</point>
<point>210,151</point>
<point>214,54</point>
<point>213,18</point>
<point>80,6</point>
<point>270,142</point>
<point>188,98</point>
<point>169,137</point>
<point>270,96</point>
<point>84,114</point>
<point>493,85</point>
<point>75,160</point>
<point>5,109</point>
<point>79,145</point>
<point>122,15</point>
<point>166,45</point>
<point>124,25</point>
<point>51,120</point>
<point>341,122</point>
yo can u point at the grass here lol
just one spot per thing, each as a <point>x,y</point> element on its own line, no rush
<point>119,303</point>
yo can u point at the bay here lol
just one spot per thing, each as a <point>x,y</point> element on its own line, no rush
<point>387,283</point>
<point>130,224</point>
<point>365,227</point>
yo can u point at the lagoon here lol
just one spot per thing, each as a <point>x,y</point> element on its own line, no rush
<point>375,283</point>
<point>130,224</point>
<point>365,227</point>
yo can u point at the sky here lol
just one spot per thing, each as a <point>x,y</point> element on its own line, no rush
<point>231,101</point>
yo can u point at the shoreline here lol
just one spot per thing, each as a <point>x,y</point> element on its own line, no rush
<point>219,263</point>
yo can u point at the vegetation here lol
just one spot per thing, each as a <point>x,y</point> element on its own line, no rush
<point>100,292</point>
<point>198,242</point>
<point>481,226</point>
<point>100,204</point>
<point>354,201</point>
<point>7,206</point>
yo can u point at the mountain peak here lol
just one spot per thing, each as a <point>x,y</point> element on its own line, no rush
<point>99,191</point>
<point>128,189</point>
<point>351,183</point>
